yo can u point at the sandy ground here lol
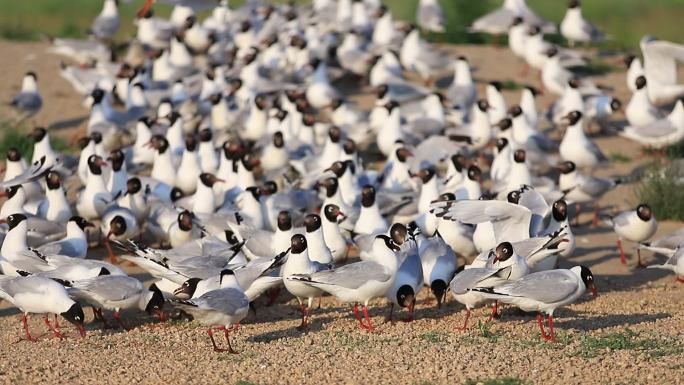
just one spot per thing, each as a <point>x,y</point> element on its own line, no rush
<point>426,351</point>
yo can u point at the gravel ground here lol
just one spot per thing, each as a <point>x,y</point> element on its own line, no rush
<point>631,333</point>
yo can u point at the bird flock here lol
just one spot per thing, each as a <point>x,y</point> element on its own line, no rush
<point>224,158</point>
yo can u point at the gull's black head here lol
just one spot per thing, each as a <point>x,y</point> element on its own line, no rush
<point>513,197</point>
<point>185,220</point>
<point>501,143</point>
<point>81,222</point>
<point>297,244</point>
<point>644,212</point>
<point>38,134</point>
<point>117,158</point>
<point>560,210</point>
<point>503,251</point>
<point>515,111</point>
<point>53,180</point>
<point>519,156</point>
<point>640,82</point>
<point>567,167</point>
<point>474,173</point>
<point>75,316</point>
<point>95,163</point>
<point>14,220</point>
<point>406,296</point>
<point>367,196</point>
<point>13,155</point>
<point>312,222</point>
<point>398,232</point>
<point>117,226</point>
<point>284,221</point>
<point>133,185</point>
<point>439,288</point>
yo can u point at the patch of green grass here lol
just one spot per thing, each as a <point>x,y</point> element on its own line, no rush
<point>351,342</point>
<point>511,85</point>
<point>596,68</point>
<point>16,137</point>
<point>485,329</point>
<point>433,336</point>
<point>243,382</point>
<point>499,381</point>
<point>661,189</point>
<point>619,157</point>
<point>591,346</point>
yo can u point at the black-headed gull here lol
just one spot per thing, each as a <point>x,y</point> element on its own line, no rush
<point>640,111</point>
<point>674,263</point>
<point>357,282</point>
<point>637,225</point>
<point>581,188</point>
<point>220,309</point>
<point>430,16</point>
<point>661,133</point>
<point>576,29</point>
<point>106,24</point>
<point>39,295</point>
<point>28,102</point>
<point>117,292</point>
<point>544,292</point>
<point>409,278</point>
<point>576,146</point>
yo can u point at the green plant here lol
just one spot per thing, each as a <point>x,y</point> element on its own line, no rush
<point>432,336</point>
<point>591,346</point>
<point>485,329</point>
<point>16,137</point>
<point>499,381</point>
<point>511,85</point>
<point>661,190</point>
<point>619,157</point>
<point>243,382</point>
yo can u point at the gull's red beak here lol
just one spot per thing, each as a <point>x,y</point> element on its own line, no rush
<point>161,315</point>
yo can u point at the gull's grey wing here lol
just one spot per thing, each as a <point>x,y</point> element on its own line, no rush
<point>661,59</point>
<point>511,222</point>
<point>546,286</point>
<point>57,248</point>
<point>594,186</point>
<point>469,278</point>
<point>105,27</point>
<point>109,287</point>
<point>622,219</point>
<point>354,275</point>
<point>497,21</point>
<point>27,101</point>
<point>228,300</point>
<point>429,13</point>
<point>657,129</point>
<point>196,5</point>
<point>199,267</point>
<point>34,172</point>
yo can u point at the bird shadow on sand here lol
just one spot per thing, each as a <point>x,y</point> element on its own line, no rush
<point>316,325</point>
<point>582,320</point>
<point>69,123</point>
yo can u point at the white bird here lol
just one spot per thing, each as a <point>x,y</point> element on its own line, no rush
<point>640,111</point>
<point>298,262</point>
<point>576,146</point>
<point>660,68</point>
<point>633,225</point>
<point>370,219</point>
<point>74,244</point>
<point>674,263</point>
<point>358,282</point>
<point>544,292</point>
<point>220,309</point>
<point>439,264</point>
<point>575,28</point>
<point>663,132</point>
<point>430,16</point>
<point>116,293</point>
<point>39,295</point>
<point>106,24</point>
<point>408,281</point>
<point>497,21</point>
<point>581,188</point>
<point>28,102</point>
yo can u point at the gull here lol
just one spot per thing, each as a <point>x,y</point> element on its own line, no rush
<point>675,260</point>
<point>28,102</point>
<point>634,69</point>
<point>106,24</point>
<point>576,146</point>
<point>660,68</point>
<point>544,292</point>
<point>462,91</point>
<point>39,295</point>
<point>430,16</point>
<point>117,292</point>
<point>497,21</point>
<point>581,188</point>
<point>74,244</point>
<point>219,308</point>
<point>575,28</point>
<point>438,263</point>
<point>636,225</point>
<point>663,132</point>
<point>358,282</point>
<point>478,133</point>
<point>299,263</point>
<point>409,278</point>
<point>640,111</point>
<point>490,269</point>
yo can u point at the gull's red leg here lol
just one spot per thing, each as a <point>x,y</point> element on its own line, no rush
<point>541,326</point>
<point>552,333</point>
<point>226,332</point>
<point>117,317</point>
<point>24,322</point>
<point>213,343</point>
<point>370,324</point>
<point>465,323</point>
<point>623,259</point>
